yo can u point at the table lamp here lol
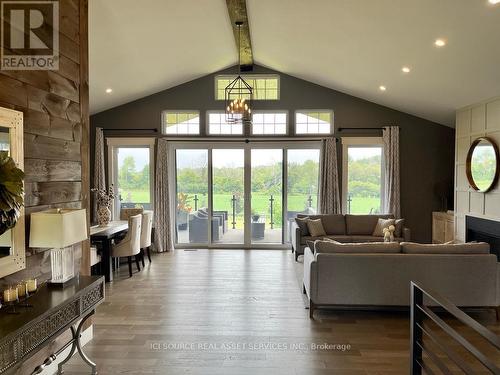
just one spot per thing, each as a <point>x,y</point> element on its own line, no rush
<point>59,230</point>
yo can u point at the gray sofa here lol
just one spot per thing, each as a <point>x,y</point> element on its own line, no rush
<point>379,274</point>
<point>343,228</point>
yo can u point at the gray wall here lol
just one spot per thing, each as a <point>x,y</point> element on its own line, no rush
<point>427,148</point>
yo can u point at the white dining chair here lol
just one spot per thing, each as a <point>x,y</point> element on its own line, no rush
<point>131,244</point>
<point>146,228</point>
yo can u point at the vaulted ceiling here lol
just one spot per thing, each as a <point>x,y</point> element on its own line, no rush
<point>141,47</point>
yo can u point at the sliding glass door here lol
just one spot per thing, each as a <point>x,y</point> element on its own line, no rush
<point>267,195</point>
<point>234,195</point>
<point>228,196</point>
<point>191,209</point>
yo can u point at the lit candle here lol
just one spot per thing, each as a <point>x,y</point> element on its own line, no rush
<point>10,295</point>
<point>31,285</point>
<point>21,289</point>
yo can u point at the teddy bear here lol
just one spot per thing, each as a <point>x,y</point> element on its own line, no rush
<point>389,233</point>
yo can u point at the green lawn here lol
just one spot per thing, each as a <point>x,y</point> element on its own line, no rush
<point>136,196</point>
<point>260,204</point>
<point>363,205</point>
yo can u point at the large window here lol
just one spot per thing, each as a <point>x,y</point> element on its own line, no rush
<point>313,122</point>
<point>181,122</point>
<point>269,123</point>
<point>217,125</point>
<point>131,172</point>
<point>363,175</point>
<point>265,86</point>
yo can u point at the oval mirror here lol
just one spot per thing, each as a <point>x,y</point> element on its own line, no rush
<point>482,164</point>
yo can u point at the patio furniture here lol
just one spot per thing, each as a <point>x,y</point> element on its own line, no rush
<point>223,219</point>
<point>198,227</point>
<point>258,228</point>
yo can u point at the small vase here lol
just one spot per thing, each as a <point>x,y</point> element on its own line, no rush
<point>103,216</point>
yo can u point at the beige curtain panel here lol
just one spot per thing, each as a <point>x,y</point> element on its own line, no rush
<point>329,195</point>
<point>162,220</point>
<point>392,205</point>
<point>99,172</point>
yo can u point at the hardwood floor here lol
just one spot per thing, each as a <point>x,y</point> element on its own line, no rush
<point>237,312</point>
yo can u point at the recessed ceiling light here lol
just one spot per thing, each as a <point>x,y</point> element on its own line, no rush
<point>405,69</point>
<point>494,2</point>
<point>109,91</point>
<point>440,43</point>
<point>382,88</point>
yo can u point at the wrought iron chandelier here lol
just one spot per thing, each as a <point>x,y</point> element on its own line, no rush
<point>238,94</point>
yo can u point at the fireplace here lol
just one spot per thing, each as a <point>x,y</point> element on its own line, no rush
<point>478,229</point>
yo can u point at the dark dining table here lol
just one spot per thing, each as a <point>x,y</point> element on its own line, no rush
<point>105,236</point>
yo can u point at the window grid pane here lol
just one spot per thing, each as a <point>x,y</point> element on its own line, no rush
<point>264,88</point>
<point>217,125</point>
<point>269,123</point>
<point>313,122</point>
<point>364,179</point>
<point>133,176</point>
<point>181,123</point>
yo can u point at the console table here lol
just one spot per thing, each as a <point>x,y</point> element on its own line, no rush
<point>53,311</point>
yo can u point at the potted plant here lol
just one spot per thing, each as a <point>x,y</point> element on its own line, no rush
<point>183,210</point>
<point>255,216</point>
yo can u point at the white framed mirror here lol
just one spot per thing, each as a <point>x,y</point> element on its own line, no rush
<point>12,241</point>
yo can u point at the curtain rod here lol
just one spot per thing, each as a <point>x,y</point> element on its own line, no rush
<point>373,129</point>
<point>152,130</point>
<point>240,139</point>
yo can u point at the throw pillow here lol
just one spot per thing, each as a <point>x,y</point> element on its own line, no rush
<point>381,224</point>
<point>316,228</point>
<point>302,224</point>
<point>399,224</point>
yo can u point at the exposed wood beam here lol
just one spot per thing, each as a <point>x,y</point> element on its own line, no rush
<point>237,10</point>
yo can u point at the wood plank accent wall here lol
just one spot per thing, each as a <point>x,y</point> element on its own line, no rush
<point>56,141</point>
<point>56,131</point>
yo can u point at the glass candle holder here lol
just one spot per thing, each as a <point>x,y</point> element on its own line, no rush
<point>31,285</point>
<point>10,297</point>
<point>10,294</point>
<point>21,290</point>
<point>23,294</point>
